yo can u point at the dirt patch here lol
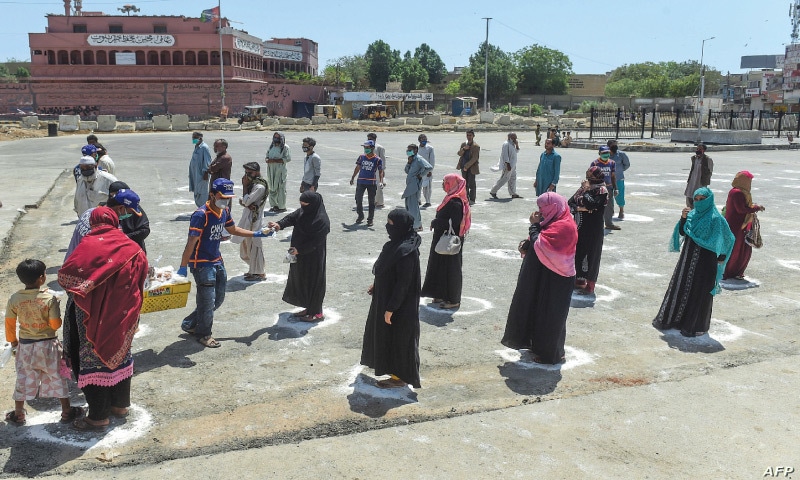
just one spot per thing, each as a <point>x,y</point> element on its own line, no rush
<point>622,380</point>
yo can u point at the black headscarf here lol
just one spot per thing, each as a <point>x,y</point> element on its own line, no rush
<point>403,240</point>
<point>313,220</point>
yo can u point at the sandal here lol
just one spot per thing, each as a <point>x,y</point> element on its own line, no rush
<point>16,418</point>
<point>301,313</point>
<point>73,414</point>
<point>448,306</point>
<point>208,341</point>
<point>83,425</point>
<point>119,412</point>
<point>313,318</point>
<point>391,383</point>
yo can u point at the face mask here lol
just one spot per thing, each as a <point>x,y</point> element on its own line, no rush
<point>605,156</point>
<point>276,141</point>
<point>195,141</point>
<point>127,215</point>
<point>87,173</point>
<point>698,152</point>
<point>410,153</point>
<point>614,148</point>
<point>305,149</point>
<point>367,151</point>
<point>423,142</point>
<point>221,203</point>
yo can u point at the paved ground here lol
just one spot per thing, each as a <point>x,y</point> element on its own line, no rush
<point>291,400</point>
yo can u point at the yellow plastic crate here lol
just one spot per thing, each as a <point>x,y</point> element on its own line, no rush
<point>166,298</point>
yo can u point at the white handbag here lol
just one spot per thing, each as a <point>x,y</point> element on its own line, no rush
<point>449,243</point>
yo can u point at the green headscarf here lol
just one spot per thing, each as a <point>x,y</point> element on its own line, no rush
<point>709,229</point>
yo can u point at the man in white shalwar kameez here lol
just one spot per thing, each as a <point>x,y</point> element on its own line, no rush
<point>254,199</point>
<point>92,187</point>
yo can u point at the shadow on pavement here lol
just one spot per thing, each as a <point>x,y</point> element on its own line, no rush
<point>175,355</point>
<point>530,378</point>
<point>287,327</point>
<point>701,344</point>
<point>370,400</point>
<point>433,315</point>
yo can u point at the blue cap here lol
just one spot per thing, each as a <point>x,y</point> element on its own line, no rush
<point>223,186</point>
<point>368,143</point>
<point>605,149</point>
<point>88,150</point>
<point>127,198</point>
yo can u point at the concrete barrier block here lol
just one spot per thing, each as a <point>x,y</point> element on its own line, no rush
<point>319,120</point>
<point>335,120</point>
<point>432,120</point>
<point>143,125</point>
<point>397,122</point>
<point>162,123</point>
<point>517,120</point>
<point>30,122</point>
<point>487,117</point>
<point>716,137</point>
<point>529,122</point>
<point>106,123</point>
<point>302,121</point>
<point>232,126</point>
<point>286,121</point>
<point>88,125</point>
<point>501,120</point>
<point>413,121</point>
<point>197,126</point>
<point>126,127</point>
<point>69,123</point>
<point>267,122</point>
<point>180,122</point>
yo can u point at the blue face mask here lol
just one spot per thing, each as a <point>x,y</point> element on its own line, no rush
<point>423,142</point>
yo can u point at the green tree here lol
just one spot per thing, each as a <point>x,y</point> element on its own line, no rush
<point>502,74</point>
<point>22,72</point>
<point>349,68</point>
<point>382,62</point>
<point>663,79</point>
<point>431,62</point>
<point>412,74</point>
<point>543,70</point>
<point>4,71</point>
<point>453,88</point>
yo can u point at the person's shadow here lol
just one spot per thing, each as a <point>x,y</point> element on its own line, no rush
<point>370,400</point>
<point>288,327</point>
<point>175,355</point>
<point>433,315</point>
<point>702,344</point>
<point>527,377</point>
<point>183,217</point>
<point>355,227</point>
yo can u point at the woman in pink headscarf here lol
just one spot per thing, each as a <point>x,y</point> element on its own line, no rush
<point>739,210</point>
<point>537,318</point>
<point>443,278</point>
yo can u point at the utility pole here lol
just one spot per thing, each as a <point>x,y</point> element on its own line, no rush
<point>486,66</point>
<point>702,88</point>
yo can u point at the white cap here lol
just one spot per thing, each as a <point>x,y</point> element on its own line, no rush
<point>87,160</point>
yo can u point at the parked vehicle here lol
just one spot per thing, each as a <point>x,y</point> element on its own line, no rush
<point>253,113</point>
<point>377,111</point>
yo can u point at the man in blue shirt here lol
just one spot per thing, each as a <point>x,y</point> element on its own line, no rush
<point>609,168</point>
<point>202,254</point>
<point>549,169</point>
<point>369,168</point>
<point>416,169</point>
<point>623,163</point>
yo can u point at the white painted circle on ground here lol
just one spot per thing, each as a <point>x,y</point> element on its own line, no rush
<point>184,188</point>
<point>331,317</point>
<point>482,306</point>
<point>479,226</point>
<point>724,332</point>
<point>329,184</point>
<point>177,201</point>
<point>794,202</point>
<point>792,264</point>
<point>500,253</point>
<point>649,274</point>
<point>143,331</point>
<point>641,194</point>
<point>632,217</point>
<point>646,184</point>
<point>789,233</point>
<point>356,381</point>
<point>609,296</point>
<point>574,358</point>
<point>136,425</point>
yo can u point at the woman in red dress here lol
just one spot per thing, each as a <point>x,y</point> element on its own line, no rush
<point>739,210</point>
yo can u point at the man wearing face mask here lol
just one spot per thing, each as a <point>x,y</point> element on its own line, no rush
<point>312,166</point>
<point>468,162</point>
<point>198,169</point>
<point>254,198</point>
<point>623,163</point>
<point>700,174</point>
<point>426,151</point>
<point>416,169</point>
<point>202,254</point>
<point>508,165</point>
<point>278,156</point>
<point>369,168</point>
<point>381,153</point>
<point>609,168</point>
<point>93,185</point>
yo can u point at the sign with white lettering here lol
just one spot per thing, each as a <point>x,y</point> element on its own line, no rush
<point>283,55</point>
<point>247,46</point>
<point>126,40</point>
<point>387,97</point>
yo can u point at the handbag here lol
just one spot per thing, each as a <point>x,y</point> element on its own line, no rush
<point>753,236</point>
<point>449,243</point>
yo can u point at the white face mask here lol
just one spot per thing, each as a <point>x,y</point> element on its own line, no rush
<point>221,202</point>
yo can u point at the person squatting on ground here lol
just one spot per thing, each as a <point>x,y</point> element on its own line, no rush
<point>468,163</point>
<point>416,170</point>
<point>391,334</point>
<point>588,206</point>
<point>93,185</point>
<point>369,169</point>
<point>198,169</point>
<point>278,155</point>
<point>739,212</point>
<point>104,279</point>
<point>202,252</point>
<point>508,167</point>
<point>699,174</point>
<point>381,153</point>
<point>609,169</point>
<point>444,276</point>
<point>254,199</point>
<point>623,163</point>
<point>426,151</point>
<point>312,166</point>
<point>38,350</point>
<point>707,244</point>
<point>537,317</point>
<point>305,286</point>
<point>549,169</point>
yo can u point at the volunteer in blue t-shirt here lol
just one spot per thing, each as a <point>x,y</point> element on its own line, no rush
<point>202,254</point>
<point>369,168</point>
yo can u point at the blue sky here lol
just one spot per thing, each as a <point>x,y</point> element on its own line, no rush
<point>598,36</point>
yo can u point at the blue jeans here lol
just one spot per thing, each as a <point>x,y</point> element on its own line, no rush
<point>211,281</point>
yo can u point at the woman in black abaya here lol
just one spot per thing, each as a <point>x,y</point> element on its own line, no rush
<point>305,286</point>
<point>391,336</point>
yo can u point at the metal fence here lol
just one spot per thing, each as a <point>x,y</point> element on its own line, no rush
<point>653,123</point>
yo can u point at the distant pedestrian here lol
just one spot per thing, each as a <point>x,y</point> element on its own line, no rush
<point>699,174</point>
<point>622,164</point>
<point>537,317</point>
<point>707,244</point>
<point>93,185</point>
<point>369,169</point>
<point>426,151</point>
<point>198,169</point>
<point>508,167</point>
<point>548,171</point>
<point>468,163</point>
<point>538,135</point>
<point>312,166</point>
<point>609,169</point>
<point>278,155</point>
<point>381,153</point>
<point>254,199</point>
<point>306,284</point>
<point>391,335</point>
<point>416,169</point>
<point>222,163</point>
<point>739,213</point>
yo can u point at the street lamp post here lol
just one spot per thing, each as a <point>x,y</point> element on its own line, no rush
<point>702,88</point>
<point>486,65</point>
